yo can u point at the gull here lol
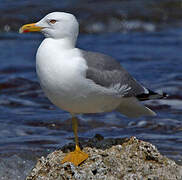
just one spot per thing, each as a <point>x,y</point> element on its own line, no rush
<point>80,81</point>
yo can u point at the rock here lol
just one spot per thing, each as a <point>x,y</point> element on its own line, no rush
<point>130,159</point>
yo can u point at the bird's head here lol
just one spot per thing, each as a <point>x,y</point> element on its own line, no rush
<point>56,25</point>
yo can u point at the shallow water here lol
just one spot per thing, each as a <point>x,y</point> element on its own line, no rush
<point>31,126</point>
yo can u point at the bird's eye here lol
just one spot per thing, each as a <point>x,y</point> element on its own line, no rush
<point>52,21</point>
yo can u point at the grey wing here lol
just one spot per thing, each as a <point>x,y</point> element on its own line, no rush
<point>107,72</point>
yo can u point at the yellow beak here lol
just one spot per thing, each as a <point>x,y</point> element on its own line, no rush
<point>30,28</point>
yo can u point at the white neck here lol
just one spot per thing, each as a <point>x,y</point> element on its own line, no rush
<point>65,43</point>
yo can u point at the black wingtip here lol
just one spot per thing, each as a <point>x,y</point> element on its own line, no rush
<point>165,95</point>
<point>151,95</point>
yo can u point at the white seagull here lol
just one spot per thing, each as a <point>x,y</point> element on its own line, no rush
<point>80,81</point>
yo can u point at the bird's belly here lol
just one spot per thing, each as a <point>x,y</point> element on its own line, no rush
<point>80,99</point>
<point>75,95</point>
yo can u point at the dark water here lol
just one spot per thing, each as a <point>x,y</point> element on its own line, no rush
<point>31,126</point>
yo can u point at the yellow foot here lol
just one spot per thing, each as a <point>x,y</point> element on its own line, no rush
<point>76,157</point>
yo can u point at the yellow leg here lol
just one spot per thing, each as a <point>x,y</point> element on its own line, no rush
<point>77,156</point>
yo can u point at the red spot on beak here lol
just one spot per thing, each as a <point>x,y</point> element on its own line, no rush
<point>26,31</point>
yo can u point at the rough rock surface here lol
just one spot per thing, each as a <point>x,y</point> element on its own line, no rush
<point>129,160</point>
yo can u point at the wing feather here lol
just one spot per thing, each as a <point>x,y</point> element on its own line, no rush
<point>107,72</point>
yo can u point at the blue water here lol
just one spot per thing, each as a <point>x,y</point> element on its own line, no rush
<point>29,122</point>
<point>31,126</point>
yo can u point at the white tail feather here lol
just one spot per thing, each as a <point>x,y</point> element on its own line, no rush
<point>132,108</point>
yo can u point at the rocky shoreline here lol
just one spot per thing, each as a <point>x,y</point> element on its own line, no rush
<point>109,159</point>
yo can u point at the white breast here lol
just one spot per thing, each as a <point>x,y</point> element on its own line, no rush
<point>62,72</point>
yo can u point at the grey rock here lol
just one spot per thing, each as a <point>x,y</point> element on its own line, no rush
<point>132,160</point>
